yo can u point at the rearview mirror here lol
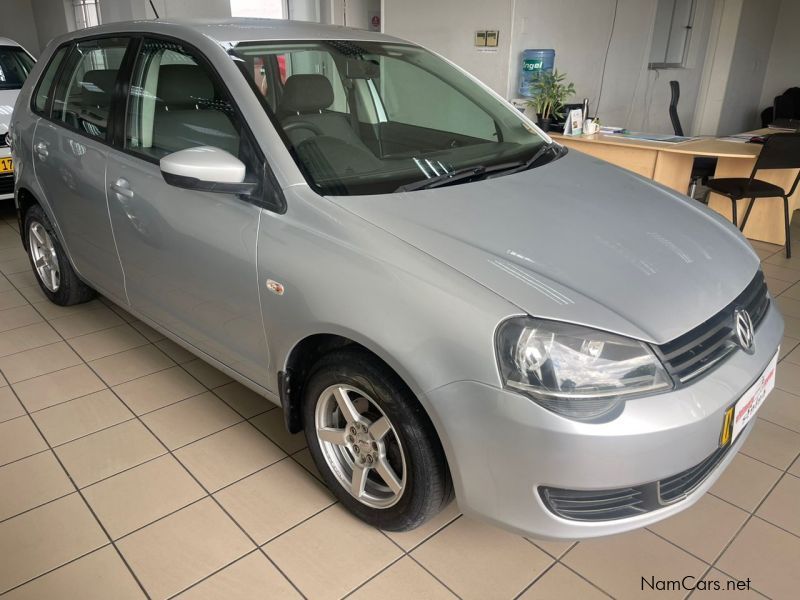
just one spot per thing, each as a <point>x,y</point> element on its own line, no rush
<point>206,169</point>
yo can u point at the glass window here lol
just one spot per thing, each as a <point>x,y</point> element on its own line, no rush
<point>86,13</point>
<point>44,91</point>
<point>83,97</point>
<point>371,117</point>
<point>15,64</point>
<point>176,103</point>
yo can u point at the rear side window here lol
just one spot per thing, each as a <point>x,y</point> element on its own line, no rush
<point>45,89</point>
<point>85,88</point>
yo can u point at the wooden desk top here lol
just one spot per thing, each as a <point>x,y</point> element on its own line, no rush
<point>700,147</point>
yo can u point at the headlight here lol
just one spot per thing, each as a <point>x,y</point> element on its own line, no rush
<point>576,371</point>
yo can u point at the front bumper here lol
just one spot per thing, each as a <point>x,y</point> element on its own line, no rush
<point>502,446</point>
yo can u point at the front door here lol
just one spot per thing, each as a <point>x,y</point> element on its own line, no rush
<point>70,160</point>
<point>189,257</point>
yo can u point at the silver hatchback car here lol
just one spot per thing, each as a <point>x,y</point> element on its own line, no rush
<point>437,294</point>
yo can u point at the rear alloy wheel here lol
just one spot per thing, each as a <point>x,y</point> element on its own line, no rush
<point>55,274</point>
<point>373,443</point>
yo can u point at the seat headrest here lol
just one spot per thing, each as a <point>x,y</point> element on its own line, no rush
<point>183,85</point>
<point>306,93</point>
<point>99,84</point>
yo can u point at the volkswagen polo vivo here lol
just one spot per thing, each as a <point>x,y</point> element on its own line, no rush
<point>443,299</point>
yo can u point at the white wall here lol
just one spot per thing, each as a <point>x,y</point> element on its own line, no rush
<point>632,96</point>
<point>783,70</point>
<point>17,23</point>
<point>740,111</point>
<point>52,18</point>
<point>188,8</point>
<point>358,12</point>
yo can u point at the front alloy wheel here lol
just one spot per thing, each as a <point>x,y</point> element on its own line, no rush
<point>373,442</point>
<point>360,446</point>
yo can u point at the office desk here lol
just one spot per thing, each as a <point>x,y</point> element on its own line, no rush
<point>671,165</point>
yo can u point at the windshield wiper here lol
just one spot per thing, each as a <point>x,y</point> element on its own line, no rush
<point>481,171</point>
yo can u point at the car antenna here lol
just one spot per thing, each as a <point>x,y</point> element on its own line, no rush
<point>153,6</point>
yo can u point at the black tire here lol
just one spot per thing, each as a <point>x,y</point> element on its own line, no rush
<point>428,485</point>
<point>71,290</point>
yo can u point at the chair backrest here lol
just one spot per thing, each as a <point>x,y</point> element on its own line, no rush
<point>675,88</point>
<point>780,151</point>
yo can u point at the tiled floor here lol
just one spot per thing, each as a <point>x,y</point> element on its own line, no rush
<point>129,469</point>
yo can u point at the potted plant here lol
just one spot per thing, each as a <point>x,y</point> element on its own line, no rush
<point>551,93</point>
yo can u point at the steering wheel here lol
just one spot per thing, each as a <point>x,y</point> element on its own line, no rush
<point>302,125</point>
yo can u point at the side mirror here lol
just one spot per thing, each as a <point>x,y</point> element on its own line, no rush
<point>206,169</point>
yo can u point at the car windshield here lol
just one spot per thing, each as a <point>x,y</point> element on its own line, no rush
<point>15,64</point>
<point>372,118</point>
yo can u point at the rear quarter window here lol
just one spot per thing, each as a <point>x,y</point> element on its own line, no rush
<point>44,89</point>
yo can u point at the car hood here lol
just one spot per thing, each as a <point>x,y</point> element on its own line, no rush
<point>7,100</point>
<point>578,240</point>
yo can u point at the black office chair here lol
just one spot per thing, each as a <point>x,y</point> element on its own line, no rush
<point>704,166</point>
<point>780,151</point>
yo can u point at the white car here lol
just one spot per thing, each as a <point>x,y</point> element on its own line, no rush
<point>15,64</point>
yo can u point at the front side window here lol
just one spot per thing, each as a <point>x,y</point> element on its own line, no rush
<point>176,103</point>
<point>83,95</point>
<point>371,117</point>
<point>15,64</point>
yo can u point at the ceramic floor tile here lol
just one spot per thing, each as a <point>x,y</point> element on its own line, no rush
<point>297,553</point>
<point>18,439</point>
<point>272,425</point>
<point>788,344</point>
<point>793,291</point>
<point>745,482</point>
<point>27,337</point>
<point>131,364</point>
<point>177,353</point>
<point>789,306</point>
<point>618,563</point>
<point>30,482</point>
<point>53,311</point>
<point>86,322</point>
<point>10,408</point>
<point>147,331</point>
<point>69,420</point>
<point>23,279</point>
<point>271,501</point>
<point>206,374</point>
<point>158,390</point>
<point>304,459</point>
<point>404,579</point>
<point>728,587</point>
<point>408,540</point>
<point>772,444</point>
<point>39,361</point>
<point>16,265</point>
<point>229,455</point>
<point>188,420</point>
<point>21,316</point>
<point>783,409</point>
<point>479,561</point>
<point>788,377</point>
<point>139,496</point>
<point>53,388</point>
<point>100,575</point>
<point>250,578</point>
<point>795,468</point>
<point>45,538</point>
<point>243,400</point>
<point>554,548</point>
<point>181,549</point>
<point>107,342</point>
<point>777,286</point>
<point>11,299</point>
<point>560,582</point>
<point>704,529</point>
<point>105,453</point>
<point>791,326</point>
<point>766,555</point>
<point>782,506</point>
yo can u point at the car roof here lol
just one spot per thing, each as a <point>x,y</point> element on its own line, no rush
<point>235,29</point>
<point>8,42</point>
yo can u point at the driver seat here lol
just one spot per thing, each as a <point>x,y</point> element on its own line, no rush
<point>305,99</point>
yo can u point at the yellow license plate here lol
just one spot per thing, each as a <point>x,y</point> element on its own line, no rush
<point>6,165</point>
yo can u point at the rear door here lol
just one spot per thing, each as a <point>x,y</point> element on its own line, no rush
<point>189,256</point>
<point>69,153</point>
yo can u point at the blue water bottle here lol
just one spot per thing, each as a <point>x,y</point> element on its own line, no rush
<point>534,63</point>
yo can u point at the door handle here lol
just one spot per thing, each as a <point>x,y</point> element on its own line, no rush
<point>122,187</point>
<point>41,150</point>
